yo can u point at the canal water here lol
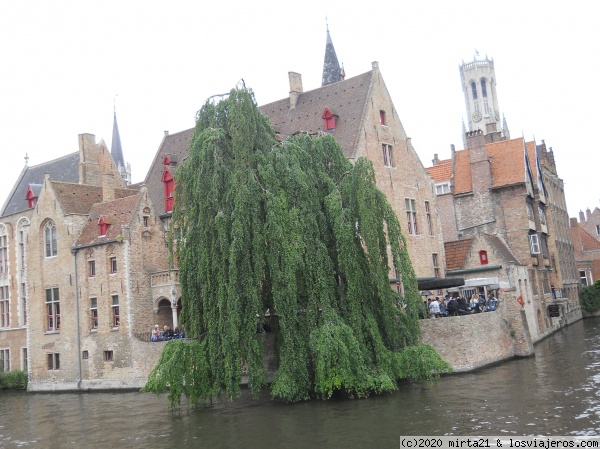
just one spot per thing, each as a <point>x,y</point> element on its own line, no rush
<point>555,392</point>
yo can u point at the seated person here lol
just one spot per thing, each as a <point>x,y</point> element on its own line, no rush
<point>155,333</point>
<point>452,307</point>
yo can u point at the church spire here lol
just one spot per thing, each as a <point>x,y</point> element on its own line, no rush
<point>331,67</point>
<point>116,152</point>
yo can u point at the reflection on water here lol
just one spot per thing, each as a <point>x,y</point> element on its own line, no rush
<point>556,392</point>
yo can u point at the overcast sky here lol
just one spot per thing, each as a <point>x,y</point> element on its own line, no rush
<point>65,64</point>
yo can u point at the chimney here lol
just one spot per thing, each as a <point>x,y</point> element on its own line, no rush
<point>581,217</point>
<point>588,214</point>
<point>108,189</point>
<point>295,88</point>
<point>375,65</point>
<point>435,160</point>
<point>166,133</point>
<point>89,166</point>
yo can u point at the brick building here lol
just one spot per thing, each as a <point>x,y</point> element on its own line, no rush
<point>360,114</point>
<point>586,241</point>
<point>502,204</point>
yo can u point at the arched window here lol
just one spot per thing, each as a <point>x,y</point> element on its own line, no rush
<point>483,257</point>
<point>50,239</point>
<point>474,90</point>
<point>483,88</point>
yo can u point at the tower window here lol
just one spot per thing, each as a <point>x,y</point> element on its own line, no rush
<point>483,89</point>
<point>474,90</point>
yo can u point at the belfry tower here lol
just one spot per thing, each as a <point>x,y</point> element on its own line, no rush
<point>478,80</point>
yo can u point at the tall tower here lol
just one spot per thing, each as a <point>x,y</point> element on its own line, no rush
<point>332,73</point>
<point>478,80</point>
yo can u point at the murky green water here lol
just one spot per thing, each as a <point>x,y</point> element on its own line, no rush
<point>557,392</point>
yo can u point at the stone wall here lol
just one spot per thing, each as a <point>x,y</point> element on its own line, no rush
<point>472,341</point>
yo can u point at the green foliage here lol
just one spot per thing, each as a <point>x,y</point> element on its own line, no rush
<point>296,228</point>
<point>13,380</point>
<point>590,298</point>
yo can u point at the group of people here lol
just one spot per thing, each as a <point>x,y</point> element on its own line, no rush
<point>455,306</point>
<point>167,333</point>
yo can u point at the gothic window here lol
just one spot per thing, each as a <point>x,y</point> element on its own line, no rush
<point>50,239</point>
<point>483,88</point>
<point>486,107</point>
<point>474,90</point>
<point>542,214</point>
<point>436,267</point>
<point>4,307</point>
<point>388,155</point>
<point>534,243</point>
<point>529,212</point>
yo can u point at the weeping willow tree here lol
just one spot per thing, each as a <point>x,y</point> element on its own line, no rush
<point>295,228</point>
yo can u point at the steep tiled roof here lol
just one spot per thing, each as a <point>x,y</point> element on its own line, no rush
<point>115,213</point>
<point>456,252</point>
<point>64,169</point>
<point>178,144</point>
<point>507,164</point>
<point>501,248</point>
<point>79,198</point>
<point>442,171</point>
<point>345,99</point>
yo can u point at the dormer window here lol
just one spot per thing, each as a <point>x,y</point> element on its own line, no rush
<point>483,257</point>
<point>33,191</point>
<point>169,183</point>
<point>382,118</point>
<point>328,120</point>
<point>103,227</point>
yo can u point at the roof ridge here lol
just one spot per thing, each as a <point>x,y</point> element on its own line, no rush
<point>52,160</point>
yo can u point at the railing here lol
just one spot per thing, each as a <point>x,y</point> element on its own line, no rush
<point>169,277</point>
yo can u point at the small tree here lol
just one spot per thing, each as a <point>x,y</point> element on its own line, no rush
<point>296,228</point>
<point>590,298</point>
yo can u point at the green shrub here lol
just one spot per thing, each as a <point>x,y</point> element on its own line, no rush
<point>590,298</point>
<point>13,380</point>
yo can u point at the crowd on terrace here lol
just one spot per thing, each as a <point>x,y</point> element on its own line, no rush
<point>437,307</point>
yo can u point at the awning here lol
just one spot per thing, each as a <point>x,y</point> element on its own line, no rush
<point>439,283</point>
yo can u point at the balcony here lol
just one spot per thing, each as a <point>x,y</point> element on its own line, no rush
<point>164,278</point>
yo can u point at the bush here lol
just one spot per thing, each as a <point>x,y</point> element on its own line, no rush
<point>13,380</point>
<point>590,298</point>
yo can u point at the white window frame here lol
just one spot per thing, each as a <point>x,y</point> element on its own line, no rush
<point>442,188</point>
<point>5,359</point>
<point>3,250</point>
<point>94,313</point>
<point>52,309</point>
<point>388,155</point>
<point>53,361</point>
<point>113,265</point>
<point>534,243</point>
<point>114,309</point>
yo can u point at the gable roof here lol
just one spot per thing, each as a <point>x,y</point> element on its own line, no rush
<point>442,171</point>
<point>456,252</point>
<point>64,169</point>
<point>79,198</point>
<point>501,248</point>
<point>115,213</point>
<point>345,99</point>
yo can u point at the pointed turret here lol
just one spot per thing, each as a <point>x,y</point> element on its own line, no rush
<point>116,152</point>
<point>331,67</point>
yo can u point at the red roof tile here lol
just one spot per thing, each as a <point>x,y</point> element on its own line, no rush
<point>442,171</point>
<point>456,252</point>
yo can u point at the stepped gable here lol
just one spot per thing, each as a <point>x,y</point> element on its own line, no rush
<point>345,99</point>
<point>507,165</point>
<point>64,169</point>
<point>501,248</point>
<point>177,144</point>
<point>115,213</point>
<point>442,171</point>
<point>456,252</point>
